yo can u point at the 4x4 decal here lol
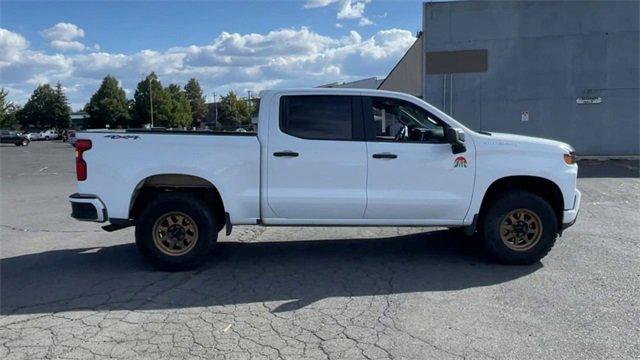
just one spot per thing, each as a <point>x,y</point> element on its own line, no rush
<point>125,137</point>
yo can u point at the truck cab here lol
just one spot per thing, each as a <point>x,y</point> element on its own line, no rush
<point>322,157</point>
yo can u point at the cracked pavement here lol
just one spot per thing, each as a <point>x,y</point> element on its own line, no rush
<point>70,290</point>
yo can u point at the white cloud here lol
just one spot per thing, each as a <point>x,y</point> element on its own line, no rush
<point>279,58</point>
<point>318,3</point>
<point>351,9</point>
<point>67,45</point>
<point>364,21</point>
<point>19,65</point>
<point>63,36</point>
<point>347,9</point>
<point>339,26</point>
<point>11,45</point>
<point>63,31</point>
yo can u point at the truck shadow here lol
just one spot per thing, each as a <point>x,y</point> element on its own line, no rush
<point>285,276</point>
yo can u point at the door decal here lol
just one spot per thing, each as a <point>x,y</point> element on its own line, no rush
<point>460,161</point>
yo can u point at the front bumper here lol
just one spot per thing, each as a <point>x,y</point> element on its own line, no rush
<point>87,208</point>
<point>569,217</point>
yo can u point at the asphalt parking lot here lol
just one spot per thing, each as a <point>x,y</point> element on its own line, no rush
<point>71,290</point>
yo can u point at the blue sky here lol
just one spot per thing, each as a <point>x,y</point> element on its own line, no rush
<point>246,45</point>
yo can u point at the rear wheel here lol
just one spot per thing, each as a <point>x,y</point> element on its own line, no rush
<point>175,231</point>
<point>25,142</point>
<point>519,228</point>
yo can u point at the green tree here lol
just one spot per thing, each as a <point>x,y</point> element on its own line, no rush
<point>37,110</point>
<point>46,108</point>
<point>147,89</point>
<point>4,105</point>
<point>8,111</point>
<point>234,111</point>
<point>61,109</point>
<point>180,114</point>
<point>108,105</point>
<point>196,101</point>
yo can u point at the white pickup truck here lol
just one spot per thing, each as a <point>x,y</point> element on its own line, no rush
<point>328,157</point>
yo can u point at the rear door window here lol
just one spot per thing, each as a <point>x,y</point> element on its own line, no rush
<point>318,117</point>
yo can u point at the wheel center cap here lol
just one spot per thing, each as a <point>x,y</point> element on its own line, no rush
<point>520,227</point>
<point>176,232</point>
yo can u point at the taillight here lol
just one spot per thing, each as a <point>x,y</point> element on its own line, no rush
<point>82,145</point>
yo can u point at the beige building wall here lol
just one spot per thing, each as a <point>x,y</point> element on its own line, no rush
<point>406,76</point>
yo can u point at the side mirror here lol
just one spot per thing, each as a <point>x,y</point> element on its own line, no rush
<point>456,138</point>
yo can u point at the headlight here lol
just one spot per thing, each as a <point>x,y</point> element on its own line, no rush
<point>570,158</point>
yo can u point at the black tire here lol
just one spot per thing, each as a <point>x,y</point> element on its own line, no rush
<point>25,142</point>
<point>46,138</point>
<point>496,213</point>
<point>185,203</point>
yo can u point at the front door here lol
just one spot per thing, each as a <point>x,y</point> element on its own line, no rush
<point>317,165</point>
<point>412,173</point>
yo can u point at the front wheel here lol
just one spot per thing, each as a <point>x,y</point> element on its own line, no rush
<point>519,228</point>
<point>175,231</point>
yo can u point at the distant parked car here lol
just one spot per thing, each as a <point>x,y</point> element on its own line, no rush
<point>71,137</point>
<point>49,135</point>
<point>12,137</point>
<point>31,136</point>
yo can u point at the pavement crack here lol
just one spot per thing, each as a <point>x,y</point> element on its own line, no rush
<point>19,229</point>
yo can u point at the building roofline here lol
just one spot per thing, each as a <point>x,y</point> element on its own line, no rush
<point>401,59</point>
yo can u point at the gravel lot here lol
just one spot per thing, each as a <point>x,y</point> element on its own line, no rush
<point>71,290</point>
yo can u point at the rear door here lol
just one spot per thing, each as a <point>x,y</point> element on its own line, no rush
<point>317,159</point>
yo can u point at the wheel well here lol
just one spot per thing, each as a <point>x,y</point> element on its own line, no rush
<point>152,186</point>
<point>545,188</point>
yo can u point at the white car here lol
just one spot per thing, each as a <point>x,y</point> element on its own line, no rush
<point>323,157</point>
<point>49,135</point>
<point>33,136</point>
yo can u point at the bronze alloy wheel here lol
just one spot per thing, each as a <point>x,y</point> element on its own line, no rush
<point>175,233</point>
<point>521,229</point>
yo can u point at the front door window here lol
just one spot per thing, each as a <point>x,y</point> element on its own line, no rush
<point>399,120</point>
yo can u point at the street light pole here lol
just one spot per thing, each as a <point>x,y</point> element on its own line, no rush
<point>215,105</point>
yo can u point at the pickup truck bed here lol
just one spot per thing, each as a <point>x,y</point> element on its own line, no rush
<point>119,163</point>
